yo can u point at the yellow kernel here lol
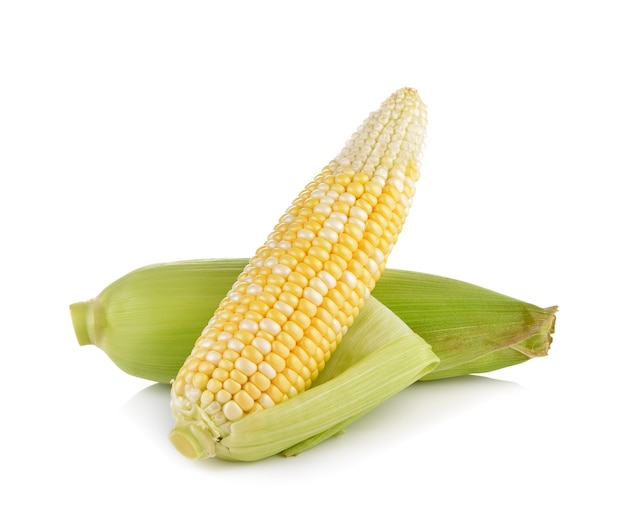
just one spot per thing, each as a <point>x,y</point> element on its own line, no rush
<point>206,367</point>
<point>252,390</point>
<point>276,362</point>
<point>297,278</point>
<point>225,365</point>
<point>307,307</point>
<point>244,400</point>
<point>179,386</point>
<point>200,380</point>
<point>277,316</point>
<point>282,383</point>
<point>355,188</point>
<point>214,385</point>
<point>333,269</point>
<point>342,251</point>
<point>219,374</point>
<point>342,207</point>
<point>330,306</point>
<point>294,330</point>
<point>244,336</point>
<point>259,308</point>
<point>302,319</point>
<point>314,262</point>
<point>294,363</point>
<point>286,339</point>
<point>252,354</point>
<point>339,261</point>
<point>321,243</point>
<point>289,261</point>
<point>349,241</point>
<point>324,315</point>
<point>231,386</point>
<point>306,271</point>
<point>238,376</point>
<point>275,394</point>
<point>373,188</point>
<point>279,348</point>
<point>292,288</point>
<point>260,381</point>
<point>206,398</point>
<point>297,253</point>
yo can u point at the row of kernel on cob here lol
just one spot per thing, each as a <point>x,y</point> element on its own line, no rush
<point>273,332</point>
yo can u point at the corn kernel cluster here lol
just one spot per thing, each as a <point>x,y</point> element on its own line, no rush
<point>290,307</point>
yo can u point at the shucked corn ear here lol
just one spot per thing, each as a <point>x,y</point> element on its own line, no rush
<point>295,299</point>
<point>146,319</point>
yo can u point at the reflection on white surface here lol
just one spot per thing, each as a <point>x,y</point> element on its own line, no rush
<point>415,410</point>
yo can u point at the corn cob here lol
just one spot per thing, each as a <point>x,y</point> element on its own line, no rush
<point>295,299</point>
<point>145,320</point>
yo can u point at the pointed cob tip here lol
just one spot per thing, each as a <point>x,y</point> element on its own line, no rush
<point>82,318</point>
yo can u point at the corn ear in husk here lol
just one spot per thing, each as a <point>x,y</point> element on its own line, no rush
<point>148,320</point>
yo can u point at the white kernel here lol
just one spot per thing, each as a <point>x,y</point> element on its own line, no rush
<point>205,343</point>
<point>334,224</point>
<point>234,296</point>
<point>319,285</point>
<point>254,289</point>
<point>336,326</point>
<point>224,336</point>
<point>323,209</point>
<point>328,234</point>
<point>378,256</point>
<point>372,266</point>
<point>317,193</point>
<point>339,216</point>
<point>349,278</point>
<point>232,411</point>
<point>348,198</point>
<point>245,366</point>
<point>328,279</point>
<point>306,234</point>
<point>263,345</point>
<point>281,270</point>
<point>285,245</point>
<point>213,357</point>
<point>382,172</point>
<point>249,325</point>
<point>270,326</point>
<point>266,401</point>
<point>192,393</point>
<point>313,295</point>
<point>270,261</point>
<point>397,183</point>
<point>283,307</point>
<point>358,213</point>
<point>266,369</point>
<point>235,345</point>
<point>213,408</point>
<point>358,222</point>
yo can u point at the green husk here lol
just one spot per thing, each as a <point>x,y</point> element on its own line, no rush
<point>148,320</point>
<point>386,358</point>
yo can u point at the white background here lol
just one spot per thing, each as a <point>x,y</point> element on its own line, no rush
<point>138,132</point>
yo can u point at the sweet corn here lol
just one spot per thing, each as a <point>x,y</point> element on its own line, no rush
<point>308,281</point>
